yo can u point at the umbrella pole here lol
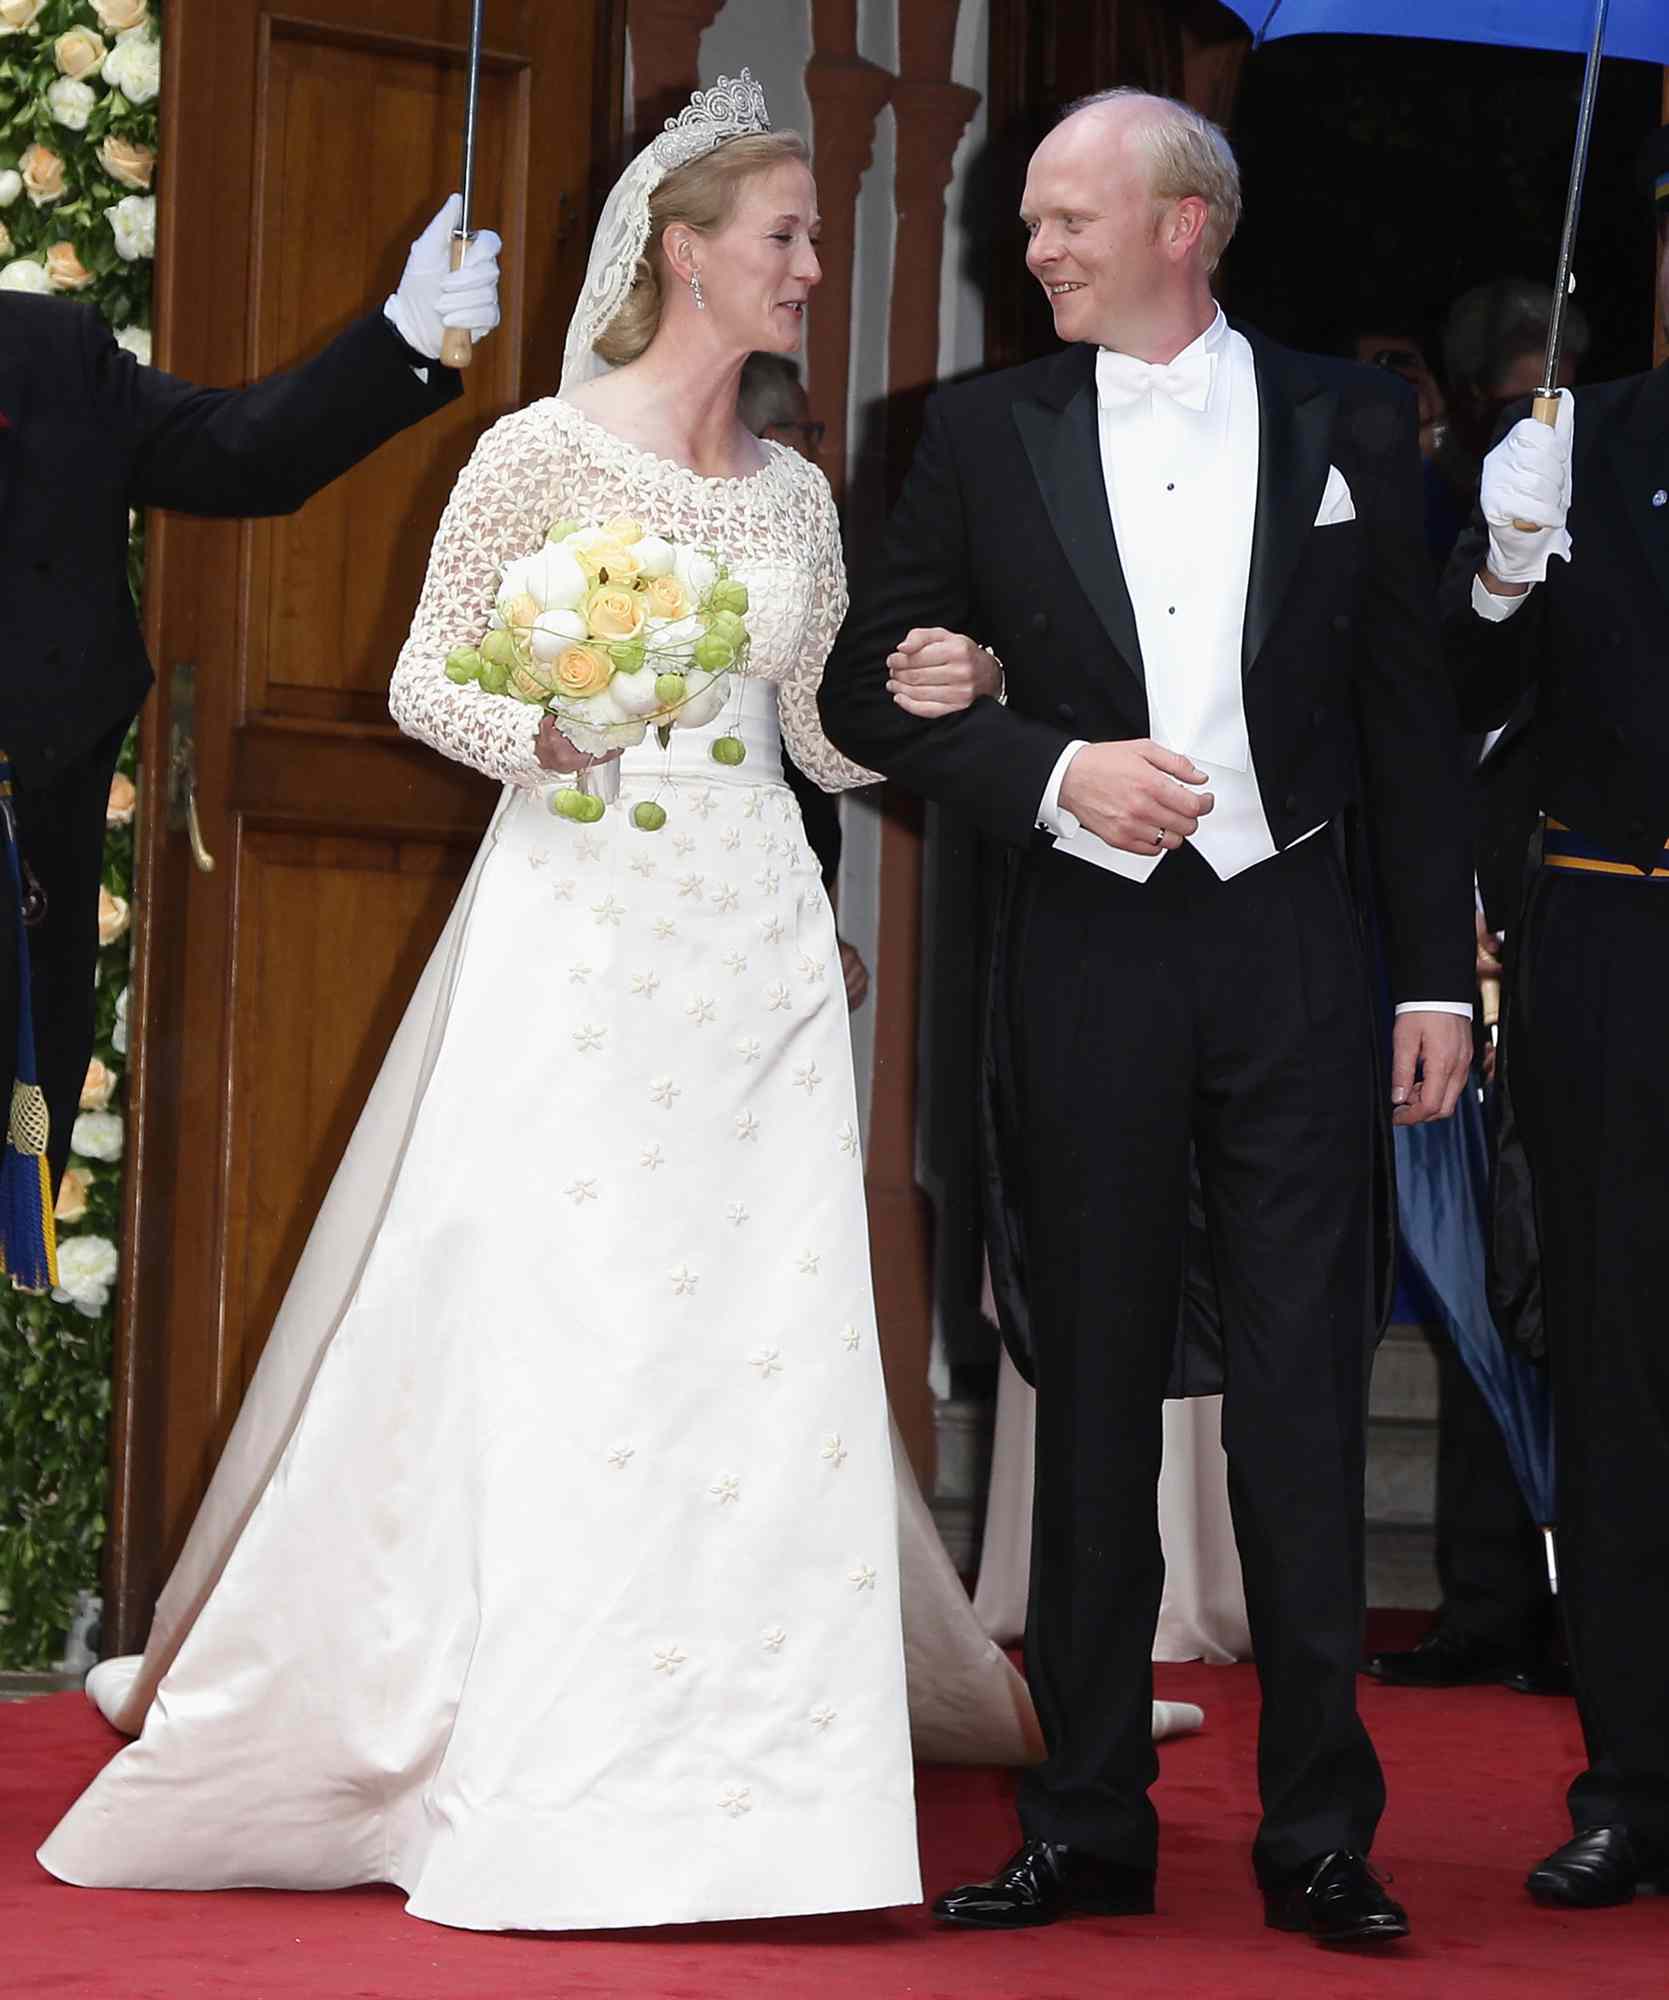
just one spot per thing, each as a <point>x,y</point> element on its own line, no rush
<point>1546,406</point>
<point>457,349</point>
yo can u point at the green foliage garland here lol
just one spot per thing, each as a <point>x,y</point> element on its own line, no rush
<point>78,136</point>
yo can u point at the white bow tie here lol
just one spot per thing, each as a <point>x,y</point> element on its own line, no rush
<point>1120,379</point>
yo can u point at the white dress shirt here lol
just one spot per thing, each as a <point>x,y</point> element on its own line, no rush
<point>1179,456</point>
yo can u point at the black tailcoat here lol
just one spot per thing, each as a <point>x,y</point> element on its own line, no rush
<point>86,434</point>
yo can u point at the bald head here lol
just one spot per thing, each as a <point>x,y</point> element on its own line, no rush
<point>1128,204</point>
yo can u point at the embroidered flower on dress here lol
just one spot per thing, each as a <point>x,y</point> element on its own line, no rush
<point>725,897</point>
<point>768,1360</point>
<point>651,1157</point>
<point>730,839</point>
<point>861,1578</point>
<point>749,1049</point>
<point>589,848</point>
<point>820,1717</point>
<point>683,843</point>
<point>769,880</point>
<point>700,1009</point>
<point>580,1192</point>
<point>809,1261</point>
<point>644,984</point>
<point>663,1091</point>
<point>849,1338</point>
<point>608,911</point>
<point>778,998</point>
<point>808,1077</point>
<point>771,930</point>
<point>689,885</point>
<point>684,1281</point>
<point>564,890</point>
<point>773,1638</point>
<point>834,1451</point>
<point>701,804</point>
<point>726,1489</point>
<point>665,928</point>
<point>849,1138</point>
<point>668,1659</point>
<point>736,1213</point>
<point>747,1126</point>
<point>811,969</point>
<point>736,961</point>
<point>620,1456</point>
<point>642,864</point>
<point>578,974</point>
<point>589,1037</point>
<point>736,1800</point>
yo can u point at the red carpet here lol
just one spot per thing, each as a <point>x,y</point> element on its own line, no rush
<point>1476,1779</point>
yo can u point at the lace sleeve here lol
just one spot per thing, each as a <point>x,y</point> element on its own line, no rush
<point>496,512</point>
<point>802,731</point>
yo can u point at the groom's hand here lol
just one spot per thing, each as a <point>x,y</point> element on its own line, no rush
<point>1431,1055</point>
<point>1128,794</point>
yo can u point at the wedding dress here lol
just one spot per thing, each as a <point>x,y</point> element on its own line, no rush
<point>553,1567</point>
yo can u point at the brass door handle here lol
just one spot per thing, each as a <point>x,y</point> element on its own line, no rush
<point>183,815</point>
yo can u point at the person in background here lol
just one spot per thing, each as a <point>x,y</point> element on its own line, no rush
<point>773,404</point>
<point>77,669</point>
<point>1448,480</point>
<point>1497,1621</point>
<point>1575,608</point>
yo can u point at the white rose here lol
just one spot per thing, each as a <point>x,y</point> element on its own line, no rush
<point>114,916</point>
<point>133,224</point>
<point>78,51</point>
<point>11,186</point>
<point>635,693</point>
<point>654,556</point>
<point>553,576</point>
<point>134,66</point>
<point>706,698</point>
<point>23,274</point>
<point>677,636</point>
<point>97,1135</point>
<point>554,632</point>
<point>71,103</point>
<point>696,570</point>
<point>137,341</point>
<point>118,1035</point>
<point>16,15</point>
<point>96,1089</point>
<point>87,1267</point>
<point>115,16</point>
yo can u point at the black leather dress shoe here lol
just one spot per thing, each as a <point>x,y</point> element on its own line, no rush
<point>1444,1660</point>
<point>1596,1870</point>
<point>1338,1899</point>
<point>1045,1882</point>
<point>1543,1677</point>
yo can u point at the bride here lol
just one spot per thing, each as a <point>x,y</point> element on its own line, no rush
<point>553,1568</point>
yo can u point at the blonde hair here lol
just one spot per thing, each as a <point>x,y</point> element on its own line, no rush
<point>702,196</point>
<point>1188,155</point>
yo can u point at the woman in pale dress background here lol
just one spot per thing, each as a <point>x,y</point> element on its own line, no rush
<point>552,1570</point>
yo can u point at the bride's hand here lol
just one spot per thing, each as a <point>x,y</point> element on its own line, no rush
<point>556,753</point>
<point>935,672</point>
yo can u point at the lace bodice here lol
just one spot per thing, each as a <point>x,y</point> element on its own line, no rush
<point>776,529</point>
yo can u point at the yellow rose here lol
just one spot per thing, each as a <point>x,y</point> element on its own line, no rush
<point>72,1195</point>
<point>624,530</point>
<point>615,614</point>
<point>42,171</point>
<point>113,916</point>
<point>16,14</point>
<point>532,681</point>
<point>581,670</point>
<point>78,51</point>
<point>5,241</point>
<point>126,161</point>
<point>618,564</point>
<point>522,609</point>
<point>123,798</point>
<point>117,16</point>
<point>668,597</point>
<point>100,1082</point>
<point>65,271</point>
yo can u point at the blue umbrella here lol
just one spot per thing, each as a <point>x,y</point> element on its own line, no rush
<point>1638,28</point>
<point>1443,1195</point>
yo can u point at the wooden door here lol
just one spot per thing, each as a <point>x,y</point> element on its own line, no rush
<point>304,147</point>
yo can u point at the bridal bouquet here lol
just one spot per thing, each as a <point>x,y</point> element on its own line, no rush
<point>614,631</point>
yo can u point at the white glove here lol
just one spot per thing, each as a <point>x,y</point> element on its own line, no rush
<point>432,296</point>
<point>1527,478</point>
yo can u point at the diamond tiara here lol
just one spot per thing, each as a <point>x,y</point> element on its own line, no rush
<point>733,107</point>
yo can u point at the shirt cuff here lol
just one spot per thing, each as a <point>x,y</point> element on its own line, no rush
<point>1461,1007</point>
<point>1052,816</point>
<point>1493,609</point>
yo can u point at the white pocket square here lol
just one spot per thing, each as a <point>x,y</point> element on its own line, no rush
<point>1336,503</point>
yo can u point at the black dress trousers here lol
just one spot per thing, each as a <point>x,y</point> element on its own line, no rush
<point>1590,1056</point>
<point>1237,1015</point>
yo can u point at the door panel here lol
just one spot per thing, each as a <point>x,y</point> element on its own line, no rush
<point>266,990</point>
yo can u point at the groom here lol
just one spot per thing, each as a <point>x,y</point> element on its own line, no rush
<point>1200,556</point>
